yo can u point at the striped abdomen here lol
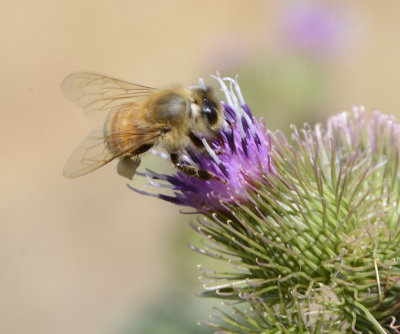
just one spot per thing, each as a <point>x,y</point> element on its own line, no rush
<point>121,129</point>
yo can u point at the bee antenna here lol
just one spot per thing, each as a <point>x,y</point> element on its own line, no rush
<point>227,124</point>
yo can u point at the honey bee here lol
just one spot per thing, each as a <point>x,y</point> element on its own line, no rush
<point>137,118</point>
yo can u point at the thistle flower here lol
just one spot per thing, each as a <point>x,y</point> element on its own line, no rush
<point>309,227</point>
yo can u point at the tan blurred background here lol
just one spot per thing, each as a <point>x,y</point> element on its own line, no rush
<point>90,256</point>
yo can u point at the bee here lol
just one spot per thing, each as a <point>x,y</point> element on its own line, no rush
<point>138,118</point>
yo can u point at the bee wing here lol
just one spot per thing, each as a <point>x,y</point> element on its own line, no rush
<point>95,152</point>
<point>97,94</point>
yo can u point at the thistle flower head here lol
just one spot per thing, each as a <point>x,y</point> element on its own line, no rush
<point>309,225</point>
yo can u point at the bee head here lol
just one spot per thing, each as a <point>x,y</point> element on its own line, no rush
<point>210,109</point>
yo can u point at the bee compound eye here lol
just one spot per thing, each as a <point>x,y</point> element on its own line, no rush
<point>210,113</point>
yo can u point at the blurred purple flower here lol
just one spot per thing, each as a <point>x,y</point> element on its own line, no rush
<point>313,27</point>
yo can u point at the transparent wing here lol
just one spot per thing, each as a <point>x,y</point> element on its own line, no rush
<point>95,151</point>
<point>97,94</point>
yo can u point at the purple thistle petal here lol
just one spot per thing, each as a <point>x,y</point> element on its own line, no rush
<point>171,199</point>
<point>247,111</point>
<point>230,138</point>
<point>229,111</point>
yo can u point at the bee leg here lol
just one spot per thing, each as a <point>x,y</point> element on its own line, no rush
<point>196,141</point>
<point>201,174</point>
<point>220,151</point>
<point>143,148</point>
